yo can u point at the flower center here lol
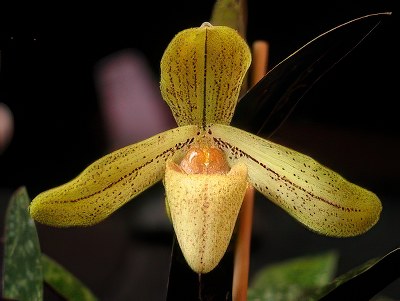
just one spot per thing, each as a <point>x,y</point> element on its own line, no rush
<point>204,160</point>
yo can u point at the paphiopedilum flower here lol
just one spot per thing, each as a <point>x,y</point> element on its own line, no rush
<point>206,164</point>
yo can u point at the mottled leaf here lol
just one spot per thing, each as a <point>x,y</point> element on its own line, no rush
<point>292,279</point>
<point>22,270</point>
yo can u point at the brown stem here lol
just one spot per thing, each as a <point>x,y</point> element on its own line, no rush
<point>260,53</point>
<point>242,248</point>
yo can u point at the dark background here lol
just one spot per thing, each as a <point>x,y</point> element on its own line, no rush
<point>348,121</point>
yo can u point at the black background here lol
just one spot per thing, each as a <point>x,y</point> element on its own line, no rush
<point>348,121</point>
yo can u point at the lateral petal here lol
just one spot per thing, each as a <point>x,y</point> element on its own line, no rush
<point>111,181</point>
<point>315,195</point>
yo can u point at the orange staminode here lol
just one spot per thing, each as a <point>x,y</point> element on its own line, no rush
<point>204,160</point>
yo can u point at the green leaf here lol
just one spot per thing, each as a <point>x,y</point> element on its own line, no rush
<point>230,13</point>
<point>293,279</point>
<point>22,268</point>
<point>64,283</point>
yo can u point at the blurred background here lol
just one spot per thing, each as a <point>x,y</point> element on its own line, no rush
<point>77,84</point>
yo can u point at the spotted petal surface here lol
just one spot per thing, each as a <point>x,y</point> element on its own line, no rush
<point>203,209</point>
<point>202,70</point>
<point>315,195</point>
<point>111,181</point>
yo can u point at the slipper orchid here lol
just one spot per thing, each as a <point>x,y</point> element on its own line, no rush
<point>206,164</point>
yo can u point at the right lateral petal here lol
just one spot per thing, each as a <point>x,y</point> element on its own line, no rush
<point>315,195</point>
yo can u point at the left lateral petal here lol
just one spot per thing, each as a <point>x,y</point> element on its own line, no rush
<point>111,181</point>
<point>315,195</point>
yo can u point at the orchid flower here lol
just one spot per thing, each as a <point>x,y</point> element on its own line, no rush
<point>206,164</point>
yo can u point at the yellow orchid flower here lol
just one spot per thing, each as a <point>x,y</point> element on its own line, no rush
<point>206,164</point>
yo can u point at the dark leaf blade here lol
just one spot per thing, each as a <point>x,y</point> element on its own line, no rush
<point>267,105</point>
<point>22,268</point>
<point>363,282</point>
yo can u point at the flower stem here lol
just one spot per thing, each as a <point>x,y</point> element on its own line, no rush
<point>258,69</point>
